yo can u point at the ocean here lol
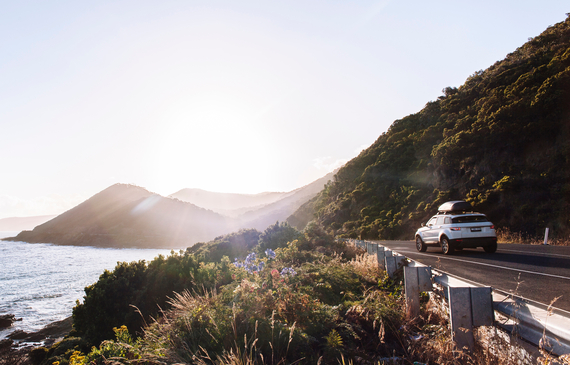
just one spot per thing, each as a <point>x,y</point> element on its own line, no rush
<point>40,282</point>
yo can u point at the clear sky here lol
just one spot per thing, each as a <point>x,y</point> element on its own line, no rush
<point>227,96</point>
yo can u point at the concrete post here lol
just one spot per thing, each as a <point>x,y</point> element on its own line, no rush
<point>390,265</point>
<point>482,306</point>
<point>424,278</point>
<point>461,319</point>
<point>380,255</point>
<point>469,307</point>
<point>417,279</point>
<point>412,289</point>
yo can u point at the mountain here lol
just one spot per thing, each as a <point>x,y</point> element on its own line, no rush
<point>256,211</point>
<point>227,203</point>
<point>501,141</point>
<point>22,223</point>
<point>130,216</point>
<point>280,210</point>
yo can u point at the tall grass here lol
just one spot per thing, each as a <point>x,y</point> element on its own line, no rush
<point>505,235</point>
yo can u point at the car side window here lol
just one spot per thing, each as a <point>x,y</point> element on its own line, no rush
<point>440,221</point>
<point>432,221</point>
<point>447,220</point>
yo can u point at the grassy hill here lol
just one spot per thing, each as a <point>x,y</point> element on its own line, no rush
<point>500,141</point>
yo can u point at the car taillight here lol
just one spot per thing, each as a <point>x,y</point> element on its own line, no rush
<point>493,226</point>
<point>455,229</point>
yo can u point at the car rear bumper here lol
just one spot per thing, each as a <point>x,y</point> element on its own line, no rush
<point>473,242</point>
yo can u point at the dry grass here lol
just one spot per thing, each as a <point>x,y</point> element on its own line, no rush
<point>365,265</point>
<point>504,235</point>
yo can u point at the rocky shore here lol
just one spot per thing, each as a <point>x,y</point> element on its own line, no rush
<point>16,348</point>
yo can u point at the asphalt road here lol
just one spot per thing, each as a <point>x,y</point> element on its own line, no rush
<point>539,273</point>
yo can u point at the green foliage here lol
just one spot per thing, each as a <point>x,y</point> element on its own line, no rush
<point>281,317</point>
<point>499,141</point>
<point>133,293</point>
<point>276,236</point>
<point>231,245</point>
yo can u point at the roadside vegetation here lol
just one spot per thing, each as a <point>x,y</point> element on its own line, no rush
<point>309,300</point>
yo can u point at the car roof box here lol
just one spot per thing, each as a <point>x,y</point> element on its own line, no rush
<point>455,206</point>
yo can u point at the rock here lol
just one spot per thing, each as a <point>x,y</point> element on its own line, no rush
<point>6,343</point>
<point>6,320</point>
<point>51,331</point>
<point>18,335</point>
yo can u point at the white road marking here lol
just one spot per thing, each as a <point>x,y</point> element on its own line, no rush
<point>535,253</point>
<point>496,266</point>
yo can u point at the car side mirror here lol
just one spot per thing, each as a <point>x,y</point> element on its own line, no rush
<point>423,224</point>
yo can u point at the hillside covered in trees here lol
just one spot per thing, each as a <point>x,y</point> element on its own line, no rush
<point>501,141</point>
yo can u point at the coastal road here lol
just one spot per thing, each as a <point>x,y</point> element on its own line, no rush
<point>536,272</point>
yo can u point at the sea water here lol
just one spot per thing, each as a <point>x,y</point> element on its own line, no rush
<point>40,282</point>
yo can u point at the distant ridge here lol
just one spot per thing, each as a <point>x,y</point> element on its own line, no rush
<point>229,204</point>
<point>22,223</point>
<point>282,209</point>
<point>130,216</point>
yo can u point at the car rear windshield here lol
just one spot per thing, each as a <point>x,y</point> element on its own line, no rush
<point>469,219</point>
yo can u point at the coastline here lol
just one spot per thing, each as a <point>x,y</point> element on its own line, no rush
<point>16,348</point>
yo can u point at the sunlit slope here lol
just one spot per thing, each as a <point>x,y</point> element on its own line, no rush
<point>501,141</point>
<point>130,216</point>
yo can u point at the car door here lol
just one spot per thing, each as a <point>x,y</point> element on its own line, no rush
<point>430,235</point>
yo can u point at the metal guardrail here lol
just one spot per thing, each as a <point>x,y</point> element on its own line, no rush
<point>535,322</point>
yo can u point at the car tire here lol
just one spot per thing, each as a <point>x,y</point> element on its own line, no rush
<point>420,245</point>
<point>491,248</point>
<point>446,248</point>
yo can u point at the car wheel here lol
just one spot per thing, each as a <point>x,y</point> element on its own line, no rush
<point>446,248</point>
<point>491,248</point>
<point>420,245</point>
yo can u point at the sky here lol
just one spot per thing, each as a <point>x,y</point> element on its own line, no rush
<point>226,96</point>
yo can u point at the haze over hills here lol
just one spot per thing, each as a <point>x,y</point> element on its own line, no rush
<point>227,203</point>
<point>22,223</point>
<point>280,210</point>
<point>131,216</point>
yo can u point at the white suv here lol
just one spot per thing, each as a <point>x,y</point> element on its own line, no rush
<point>456,227</point>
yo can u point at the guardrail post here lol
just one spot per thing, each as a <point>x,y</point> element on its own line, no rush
<point>380,255</point>
<point>392,263</point>
<point>460,317</point>
<point>412,290</point>
<point>416,280</point>
<point>469,307</point>
<point>374,249</point>
<point>482,306</point>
